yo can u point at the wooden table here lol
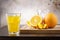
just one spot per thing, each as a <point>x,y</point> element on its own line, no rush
<point>34,33</point>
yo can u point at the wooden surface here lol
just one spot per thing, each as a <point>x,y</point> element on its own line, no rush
<point>34,32</point>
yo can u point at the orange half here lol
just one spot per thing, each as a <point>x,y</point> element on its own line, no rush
<point>35,20</point>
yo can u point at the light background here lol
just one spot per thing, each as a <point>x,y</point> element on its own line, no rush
<point>27,8</point>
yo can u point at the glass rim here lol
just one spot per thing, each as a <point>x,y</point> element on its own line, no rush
<point>13,14</point>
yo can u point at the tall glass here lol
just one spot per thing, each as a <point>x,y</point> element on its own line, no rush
<point>13,22</point>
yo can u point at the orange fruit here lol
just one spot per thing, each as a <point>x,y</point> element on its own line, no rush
<point>42,26</point>
<point>45,26</point>
<point>35,20</point>
<point>51,20</point>
<point>28,23</point>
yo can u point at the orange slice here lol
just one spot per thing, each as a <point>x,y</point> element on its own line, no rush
<point>45,26</point>
<point>42,26</point>
<point>35,20</point>
<point>28,23</point>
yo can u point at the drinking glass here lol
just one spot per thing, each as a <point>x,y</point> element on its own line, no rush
<point>13,22</point>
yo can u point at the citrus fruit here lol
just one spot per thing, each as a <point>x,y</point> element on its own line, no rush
<point>28,23</point>
<point>45,26</point>
<point>51,20</point>
<point>35,20</point>
<point>42,26</point>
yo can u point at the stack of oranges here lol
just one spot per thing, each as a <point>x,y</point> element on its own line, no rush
<point>49,21</point>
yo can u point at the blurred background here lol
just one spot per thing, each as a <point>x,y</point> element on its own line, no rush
<point>28,8</point>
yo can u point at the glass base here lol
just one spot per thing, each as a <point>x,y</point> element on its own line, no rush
<point>14,34</point>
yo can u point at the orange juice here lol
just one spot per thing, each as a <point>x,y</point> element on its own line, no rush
<point>13,23</point>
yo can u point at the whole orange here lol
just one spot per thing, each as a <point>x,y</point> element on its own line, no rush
<point>51,20</point>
